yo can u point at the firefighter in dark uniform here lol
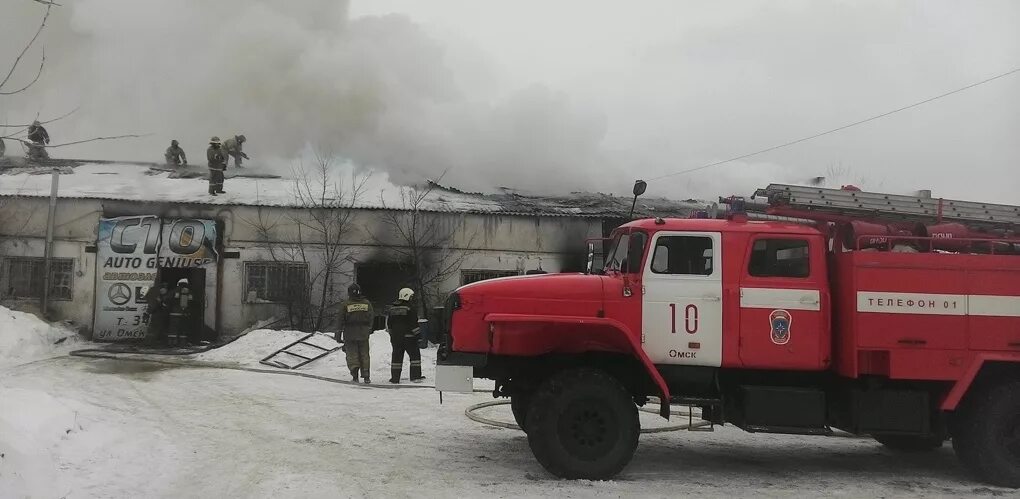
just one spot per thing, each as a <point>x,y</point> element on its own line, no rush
<point>217,164</point>
<point>355,327</point>
<point>158,299</point>
<point>175,155</point>
<point>181,313</point>
<point>40,138</point>
<point>402,324</point>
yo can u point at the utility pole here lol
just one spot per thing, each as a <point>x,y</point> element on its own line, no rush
<point>48,252</point>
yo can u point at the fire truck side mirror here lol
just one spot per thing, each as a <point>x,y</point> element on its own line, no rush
<point>639,187</point>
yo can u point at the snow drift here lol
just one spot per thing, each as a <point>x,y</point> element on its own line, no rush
<point>25,338</point>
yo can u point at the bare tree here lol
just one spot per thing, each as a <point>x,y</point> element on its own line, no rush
<point>425,247</point>
<point>316,236</point>
<point>4,89</point>
<point>839,174</point>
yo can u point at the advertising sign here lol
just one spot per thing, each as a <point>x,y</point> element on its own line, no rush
<point>129,253</point>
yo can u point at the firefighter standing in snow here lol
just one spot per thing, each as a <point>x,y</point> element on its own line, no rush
<point>356,326</point>
<point>217,164</point>
<point>233,148</point>
<point>402,324</point>
<point>175,155</point>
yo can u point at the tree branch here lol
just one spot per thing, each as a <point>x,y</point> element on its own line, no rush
<point>42,63</point>
<point>17,60</point>
<point>46,122</point>
<point>115,137</point>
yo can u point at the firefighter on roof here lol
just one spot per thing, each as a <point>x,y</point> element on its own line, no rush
<point>233,147</point>
<point>39,138</point>
<point>175,155</point>
<point>217,164</point>
<point>402,324</point>
<point>356,326</point>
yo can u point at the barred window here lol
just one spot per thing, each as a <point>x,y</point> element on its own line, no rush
<point>278,282</point>
<point>25,277</point>
<point>470,276</point>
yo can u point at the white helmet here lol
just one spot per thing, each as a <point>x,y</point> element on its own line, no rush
<point>405,294</point>
<point>182,281</point>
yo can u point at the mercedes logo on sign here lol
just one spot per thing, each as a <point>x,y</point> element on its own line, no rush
<point>119,293</point>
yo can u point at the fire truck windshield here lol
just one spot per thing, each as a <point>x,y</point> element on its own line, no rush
<point>625,252</point>
<point>612,256</point>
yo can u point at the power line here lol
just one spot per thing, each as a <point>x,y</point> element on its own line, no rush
<point>844,127</point>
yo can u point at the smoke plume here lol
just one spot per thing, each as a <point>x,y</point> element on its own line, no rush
<point>378,91</point>
<point>544,96</point>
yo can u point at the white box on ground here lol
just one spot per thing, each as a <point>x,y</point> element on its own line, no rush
<point>457,379</point>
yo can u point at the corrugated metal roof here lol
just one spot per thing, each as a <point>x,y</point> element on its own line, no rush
<point>139,183</point>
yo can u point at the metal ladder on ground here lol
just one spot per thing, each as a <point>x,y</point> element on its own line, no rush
<point>297,354</point>
<point>865,205</point>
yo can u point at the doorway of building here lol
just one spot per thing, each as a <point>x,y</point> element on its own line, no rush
<point>380,282</point>
<point>195,325</point>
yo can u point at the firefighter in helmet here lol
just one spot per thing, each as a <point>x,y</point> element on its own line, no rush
<point>402,324</point>
<point>158,302</point>
<point>39,138</point>
<point>217,164</point>
<point>181,308</point>
<point>355,328</point>
<point>233,147</point>
<point>175,155</point>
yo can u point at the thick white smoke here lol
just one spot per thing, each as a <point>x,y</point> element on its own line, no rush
<point>376,90</point>
<point>546,96</point>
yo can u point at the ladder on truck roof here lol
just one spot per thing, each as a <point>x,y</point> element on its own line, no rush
<point>848,204</point>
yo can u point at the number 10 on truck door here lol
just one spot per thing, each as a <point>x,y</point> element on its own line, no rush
<point>690,318</point>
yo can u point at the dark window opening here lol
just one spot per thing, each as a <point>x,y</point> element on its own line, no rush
<point>683,255</point>
<point>25,277</point>
<point>780,258</point>
<point>380,281</point>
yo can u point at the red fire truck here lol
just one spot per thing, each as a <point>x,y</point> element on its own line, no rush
<point>891,316</point>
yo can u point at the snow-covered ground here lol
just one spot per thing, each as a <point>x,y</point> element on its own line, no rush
<point>247,350</point>
<point>74,427</point>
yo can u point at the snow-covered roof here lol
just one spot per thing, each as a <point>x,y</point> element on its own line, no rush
<point>251,187</point>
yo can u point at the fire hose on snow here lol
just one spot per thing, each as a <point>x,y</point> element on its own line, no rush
<point>470,412</point>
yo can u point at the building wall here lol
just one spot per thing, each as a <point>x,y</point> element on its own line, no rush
<point>483,242</point>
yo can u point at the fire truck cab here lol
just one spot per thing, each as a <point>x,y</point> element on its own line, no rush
<point>771,326</point>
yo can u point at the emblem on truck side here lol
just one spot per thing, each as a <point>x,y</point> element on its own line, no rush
<point>780,321</point>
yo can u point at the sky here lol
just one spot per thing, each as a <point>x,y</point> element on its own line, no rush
<point>548,96</point>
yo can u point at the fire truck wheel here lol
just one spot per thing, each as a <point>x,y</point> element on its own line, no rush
<point>583,423</point>
<point>987,434</point>
<point>519,403</point>
<point>909,443</point>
